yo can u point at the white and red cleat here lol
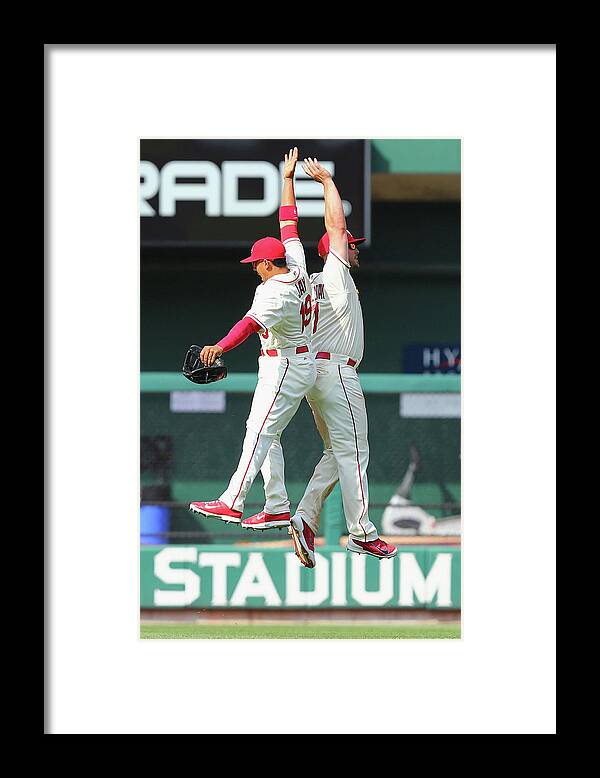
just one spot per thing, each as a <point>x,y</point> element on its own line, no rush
<point>264,520</point>
<point>377,548</point>
<point>304,541</point>
<point>216,509</point>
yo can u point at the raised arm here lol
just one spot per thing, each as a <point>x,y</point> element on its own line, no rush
<point>335,221</point>
<point>288,213</point>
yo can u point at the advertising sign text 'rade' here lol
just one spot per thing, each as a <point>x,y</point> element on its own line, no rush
<point>227,192</point>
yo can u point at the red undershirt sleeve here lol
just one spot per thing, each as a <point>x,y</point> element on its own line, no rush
<point>238,333</point>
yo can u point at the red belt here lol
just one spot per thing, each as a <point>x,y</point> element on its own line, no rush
<point>273,352</point>
<point>327,355</point>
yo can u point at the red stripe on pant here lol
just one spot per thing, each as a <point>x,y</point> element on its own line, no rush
<point>260,430</point>
<point>362,493</point>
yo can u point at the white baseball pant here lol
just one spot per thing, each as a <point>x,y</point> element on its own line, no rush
<point>338,405</point>
<point>283,381</point>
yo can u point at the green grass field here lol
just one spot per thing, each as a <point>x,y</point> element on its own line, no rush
<point>308,631</point>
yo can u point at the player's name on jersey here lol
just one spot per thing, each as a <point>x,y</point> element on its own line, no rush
<point>319,291</point>
<point>301,286</point>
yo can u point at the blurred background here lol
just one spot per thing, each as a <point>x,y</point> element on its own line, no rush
<point>202,205</point>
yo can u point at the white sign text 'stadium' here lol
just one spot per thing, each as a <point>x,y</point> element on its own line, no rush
<point>218,188</point>
<point>337,580</point>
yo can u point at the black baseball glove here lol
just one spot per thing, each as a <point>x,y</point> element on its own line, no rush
<point>195,370</point>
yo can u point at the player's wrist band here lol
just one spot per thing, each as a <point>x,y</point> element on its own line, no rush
<point>288,213</point>
<point>289,231</point>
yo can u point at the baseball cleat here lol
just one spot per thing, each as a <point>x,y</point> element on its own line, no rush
<point>217,510</point>
<point>264,520</point>
<point>377,548</point>
<point>304,541</point>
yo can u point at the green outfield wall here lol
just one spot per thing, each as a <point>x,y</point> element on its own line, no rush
<point>246,383</point>
<point>230,576</point>
<point>416,156</point>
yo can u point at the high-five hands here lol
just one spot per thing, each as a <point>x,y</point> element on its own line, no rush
<point>315,170</point>
<point>289,163</point>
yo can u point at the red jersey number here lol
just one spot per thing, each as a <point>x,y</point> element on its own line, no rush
<point>306,312</point>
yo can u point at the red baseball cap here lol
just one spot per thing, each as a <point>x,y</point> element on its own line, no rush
<point>266,248</point>
<point>323,247</point>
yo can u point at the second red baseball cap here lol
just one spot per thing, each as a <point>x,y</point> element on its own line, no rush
<point>266,248</point>
<point>323,247</point>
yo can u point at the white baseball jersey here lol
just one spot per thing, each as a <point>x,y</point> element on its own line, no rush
<point>337,313</point>
<point>282,305</point>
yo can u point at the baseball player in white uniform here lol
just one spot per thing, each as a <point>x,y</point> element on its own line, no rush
<point>336,398</point>
<point>281,314</point>
<point>276,512</point>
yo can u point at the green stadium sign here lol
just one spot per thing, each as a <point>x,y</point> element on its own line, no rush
<point>206,576</point>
